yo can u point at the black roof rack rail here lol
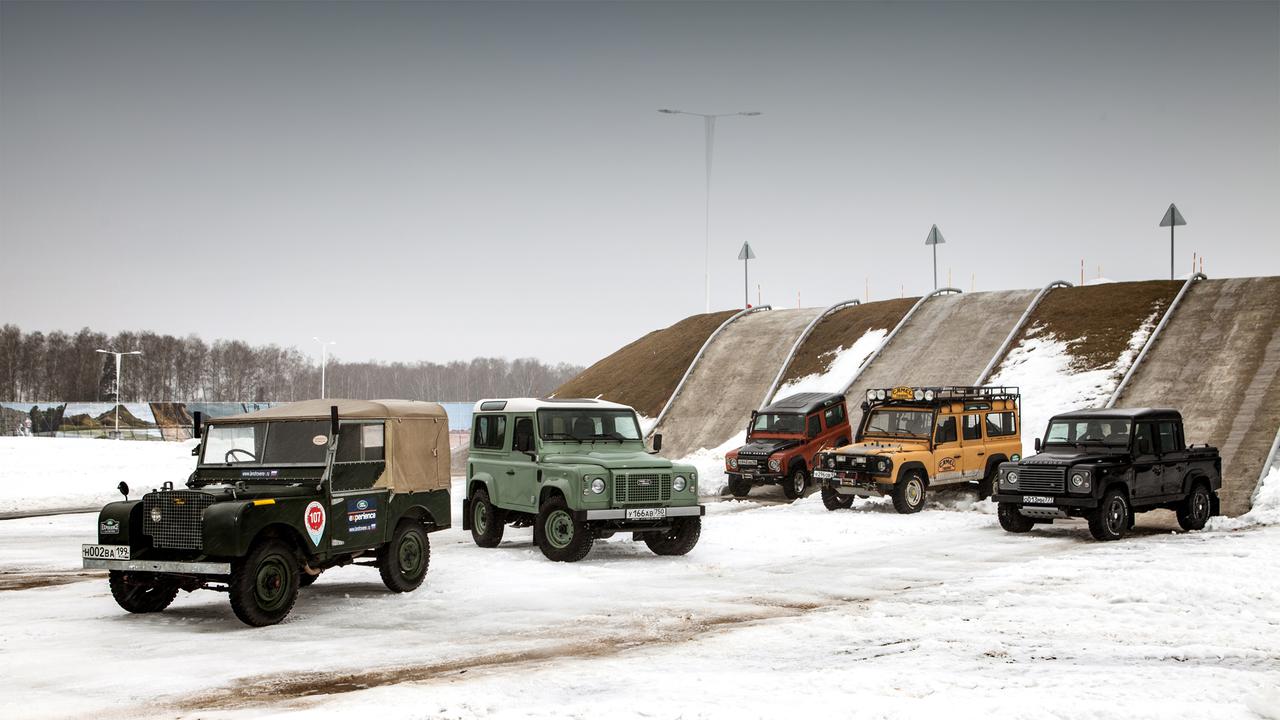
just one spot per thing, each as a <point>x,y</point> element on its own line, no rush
<point>943,393</point>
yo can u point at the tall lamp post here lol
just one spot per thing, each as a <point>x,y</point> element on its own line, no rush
<point>1172,218</point>
<point>934,239</point>
<point>324,360</point>
<point>118,380</point>
<point>709,124</point>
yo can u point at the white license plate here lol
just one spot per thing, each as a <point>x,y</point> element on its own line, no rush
<point>823,474</point>
<point>1037,500</point>
<point>646,514</point>
<point>105,552</point>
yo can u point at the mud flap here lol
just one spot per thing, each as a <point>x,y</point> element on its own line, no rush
<point>466,514</point>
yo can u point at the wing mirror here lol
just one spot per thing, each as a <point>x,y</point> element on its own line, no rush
<point>657,442</point>
<point>1038,444</point>
<point>123,487</point>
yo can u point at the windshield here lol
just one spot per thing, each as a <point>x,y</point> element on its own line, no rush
<point>274,443</point>
<point>900,423</point>
<point>778,423</point>
<point>1113,432</point>
<point>585,424</point>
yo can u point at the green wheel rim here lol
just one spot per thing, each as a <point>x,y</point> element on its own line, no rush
<point>480,518</point>
<point>559,529</point>
<point>271,583</point>
<point>410,555</point>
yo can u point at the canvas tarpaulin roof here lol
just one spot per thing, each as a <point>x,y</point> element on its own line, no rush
<point>417,435</point>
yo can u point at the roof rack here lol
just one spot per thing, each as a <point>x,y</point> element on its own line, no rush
<point>930,395</point>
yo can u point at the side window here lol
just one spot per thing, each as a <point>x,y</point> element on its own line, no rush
<point>1000,424</point>
<point>834,415</point>
<point>1169,440</point>
<point>946,430</point>
<point>522,438</point>
<point>348,444</point>
<point>490,432</point>
<point>815,425</point>
<point>1143,439</point>
<point>972,427</point>
<point>374,445</point>
<point>360,441</point>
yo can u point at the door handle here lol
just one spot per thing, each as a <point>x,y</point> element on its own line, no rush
<point>981,454</point>
<point>511,472</point>
<point>1157,470</point>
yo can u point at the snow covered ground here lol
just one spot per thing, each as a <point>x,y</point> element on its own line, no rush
<point>781,611</point>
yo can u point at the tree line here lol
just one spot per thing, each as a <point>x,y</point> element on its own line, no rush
<point>65,367</point>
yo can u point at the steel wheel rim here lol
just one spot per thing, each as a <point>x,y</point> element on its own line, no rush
<point>270,582</point>
<point>409,555</point>
<point>1200,506</point>
<point>1115,515</point>
<point>914,493</point>
<point>480,518</point>
<point>559,529</point>
<point>797,482</point>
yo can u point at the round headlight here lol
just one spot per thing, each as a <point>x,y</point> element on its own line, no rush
<point>733,463</point>
<point>831,462</point>
<point>1011,477</point>
<point>775,465</point>
<point>1077,479</point>
<point>597,485</point>
<point>918,395</point>
<point>928,395</point>
<point>882,465</point>
<point>155,515</point>
<point>678,483</point>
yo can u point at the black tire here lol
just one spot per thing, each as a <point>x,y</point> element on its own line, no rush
<point>908,493</point>
<point>833,500</point>
<point>306,579</point>
<point>403,562</point>
<point>1113,518</point>
<point>559,535</point>
<point>739,488</point>
<point>1012,520</point>
<point>679,540</point>
<point>1194,511</point>
<point>795,482</point>
<point>264,584</point>
<point>990,483</point>
<point>487,521</point>
<point>142,592</point>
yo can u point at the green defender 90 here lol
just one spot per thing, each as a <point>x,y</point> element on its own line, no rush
<point>575,470</point>
<point>279,496</point>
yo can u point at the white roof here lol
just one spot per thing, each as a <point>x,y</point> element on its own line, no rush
<point>533,404</point>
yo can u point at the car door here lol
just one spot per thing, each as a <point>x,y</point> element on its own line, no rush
<point>947,454</point>
<point>357,508</point>
<point>1147,470</point>
<point>490,440</point>
<point>521,471</point>
<point>973,448</point>
<point>1173,457</point>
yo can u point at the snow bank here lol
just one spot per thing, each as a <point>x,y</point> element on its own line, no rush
<point>1265,511</point>
<point>712,479</point>
<point>843,366</point>
<point>1042,366</point>
<point>38,473</point>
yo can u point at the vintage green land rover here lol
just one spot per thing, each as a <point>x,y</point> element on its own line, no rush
<point>279,496</point>
<point>575,470</point>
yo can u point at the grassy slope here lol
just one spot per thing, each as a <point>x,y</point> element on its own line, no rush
<point>1098,321</point>
<point>842,328</point>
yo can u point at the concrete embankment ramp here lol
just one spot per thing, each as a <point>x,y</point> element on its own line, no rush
<point>948,341</point>
<point>1218,362</point>
<point>726,384</point>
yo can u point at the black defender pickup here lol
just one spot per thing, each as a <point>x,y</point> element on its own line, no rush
<point>1106,466</point>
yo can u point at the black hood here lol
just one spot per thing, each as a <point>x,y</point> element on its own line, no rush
<point>766,446</point>
<point>1071,456</point>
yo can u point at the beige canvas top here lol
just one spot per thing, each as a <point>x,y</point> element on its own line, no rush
<point>417,436</point>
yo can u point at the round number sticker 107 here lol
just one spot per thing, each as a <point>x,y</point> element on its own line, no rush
<point>314,520</point>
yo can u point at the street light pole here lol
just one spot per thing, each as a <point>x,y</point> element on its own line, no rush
<point>119,380</point>
<point>324,359</point>
<point>709,127</point>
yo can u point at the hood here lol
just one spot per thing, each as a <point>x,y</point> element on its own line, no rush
<point>1069,456</point>
<point>227,491</point>
<point>879,448</point>
<point>767,446</point>
<point>615,460</point>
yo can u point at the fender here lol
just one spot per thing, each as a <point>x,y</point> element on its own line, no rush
<point>231,527</point>
<point>481,479</point>
<point>124,516</point>
<point>994,460</point>
<point>911,465</point>
<point>549,485</point>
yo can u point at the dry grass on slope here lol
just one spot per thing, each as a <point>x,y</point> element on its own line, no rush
<point>842,328</point>
<point>645,373</point>
<point>1097,322</point>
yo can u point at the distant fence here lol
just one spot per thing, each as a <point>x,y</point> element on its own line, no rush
<point>141,421</point>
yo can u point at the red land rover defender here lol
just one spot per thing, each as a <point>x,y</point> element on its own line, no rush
<point>782,441</point>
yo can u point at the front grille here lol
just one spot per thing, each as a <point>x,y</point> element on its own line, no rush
<point>1042,478</point>
<point>843,461</point>
<point>641,488</point>
<point>181,518</point>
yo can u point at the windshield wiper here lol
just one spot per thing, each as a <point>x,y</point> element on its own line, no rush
<point>606,436</point>
<point>557,436</point>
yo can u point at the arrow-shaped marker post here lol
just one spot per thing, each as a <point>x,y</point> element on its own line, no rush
<point>1172,218</point>
<point>746,255</point>
<point>934,239</point>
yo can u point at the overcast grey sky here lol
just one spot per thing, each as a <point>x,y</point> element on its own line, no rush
<point>437,181</point>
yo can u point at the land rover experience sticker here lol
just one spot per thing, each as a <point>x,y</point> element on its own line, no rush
<point>362,514</point>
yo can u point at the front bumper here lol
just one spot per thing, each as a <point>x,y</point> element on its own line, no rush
<point>621,513</point>
<point>177,567</point>
<point>853,482</point>
<point>759,478</point>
